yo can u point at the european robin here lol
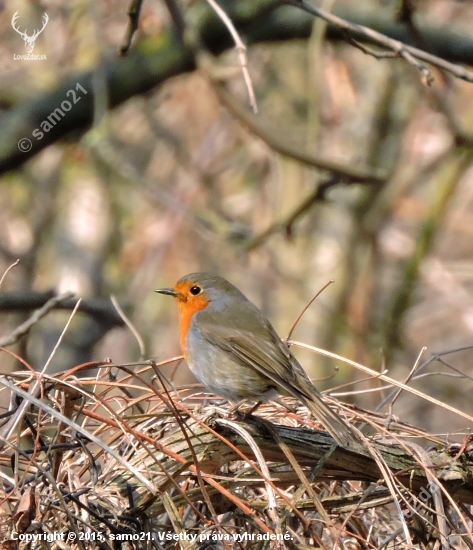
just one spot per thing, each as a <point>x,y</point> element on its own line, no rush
<point>235,352</point>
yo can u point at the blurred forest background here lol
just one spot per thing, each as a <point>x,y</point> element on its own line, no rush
<point>357,168</point>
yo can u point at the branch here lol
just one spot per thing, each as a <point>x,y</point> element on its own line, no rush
<point>134,10</point>
<point>101,310</point>
<point>287,223</point>
<point>310,447</point>
<point>25,327</point>
<point>411,54</point>
<point>279,143</point>
<point>241,50</point>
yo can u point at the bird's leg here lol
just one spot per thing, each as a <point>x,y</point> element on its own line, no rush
<point>287,407</point>
<point>253,409</point>
<point>234,409</point>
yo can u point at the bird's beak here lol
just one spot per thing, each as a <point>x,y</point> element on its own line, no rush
<point>168,292</point>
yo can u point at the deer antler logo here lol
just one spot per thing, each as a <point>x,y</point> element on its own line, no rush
<point>29,40</point>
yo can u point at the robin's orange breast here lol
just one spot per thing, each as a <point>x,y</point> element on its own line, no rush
<point>189,305</point>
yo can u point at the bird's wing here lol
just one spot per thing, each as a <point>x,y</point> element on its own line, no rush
<point>264,351</point>
<point>251,341</point>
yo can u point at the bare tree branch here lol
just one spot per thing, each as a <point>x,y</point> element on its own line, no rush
<point>280,144</point>
<point>409,53</point>
<point>25,327</point>
<point>101,310</point>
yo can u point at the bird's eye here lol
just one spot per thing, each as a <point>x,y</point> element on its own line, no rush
<point>195,290</point>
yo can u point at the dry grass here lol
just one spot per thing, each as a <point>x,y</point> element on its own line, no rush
<point>115,455</point>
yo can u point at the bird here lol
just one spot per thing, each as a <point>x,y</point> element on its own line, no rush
<point>234,351</point>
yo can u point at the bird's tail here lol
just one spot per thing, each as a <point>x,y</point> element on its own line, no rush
<point>339,429</point>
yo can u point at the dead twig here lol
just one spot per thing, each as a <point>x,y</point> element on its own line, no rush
<point>14,264</point>
<point>134,10</point>
<point>241,49</point>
